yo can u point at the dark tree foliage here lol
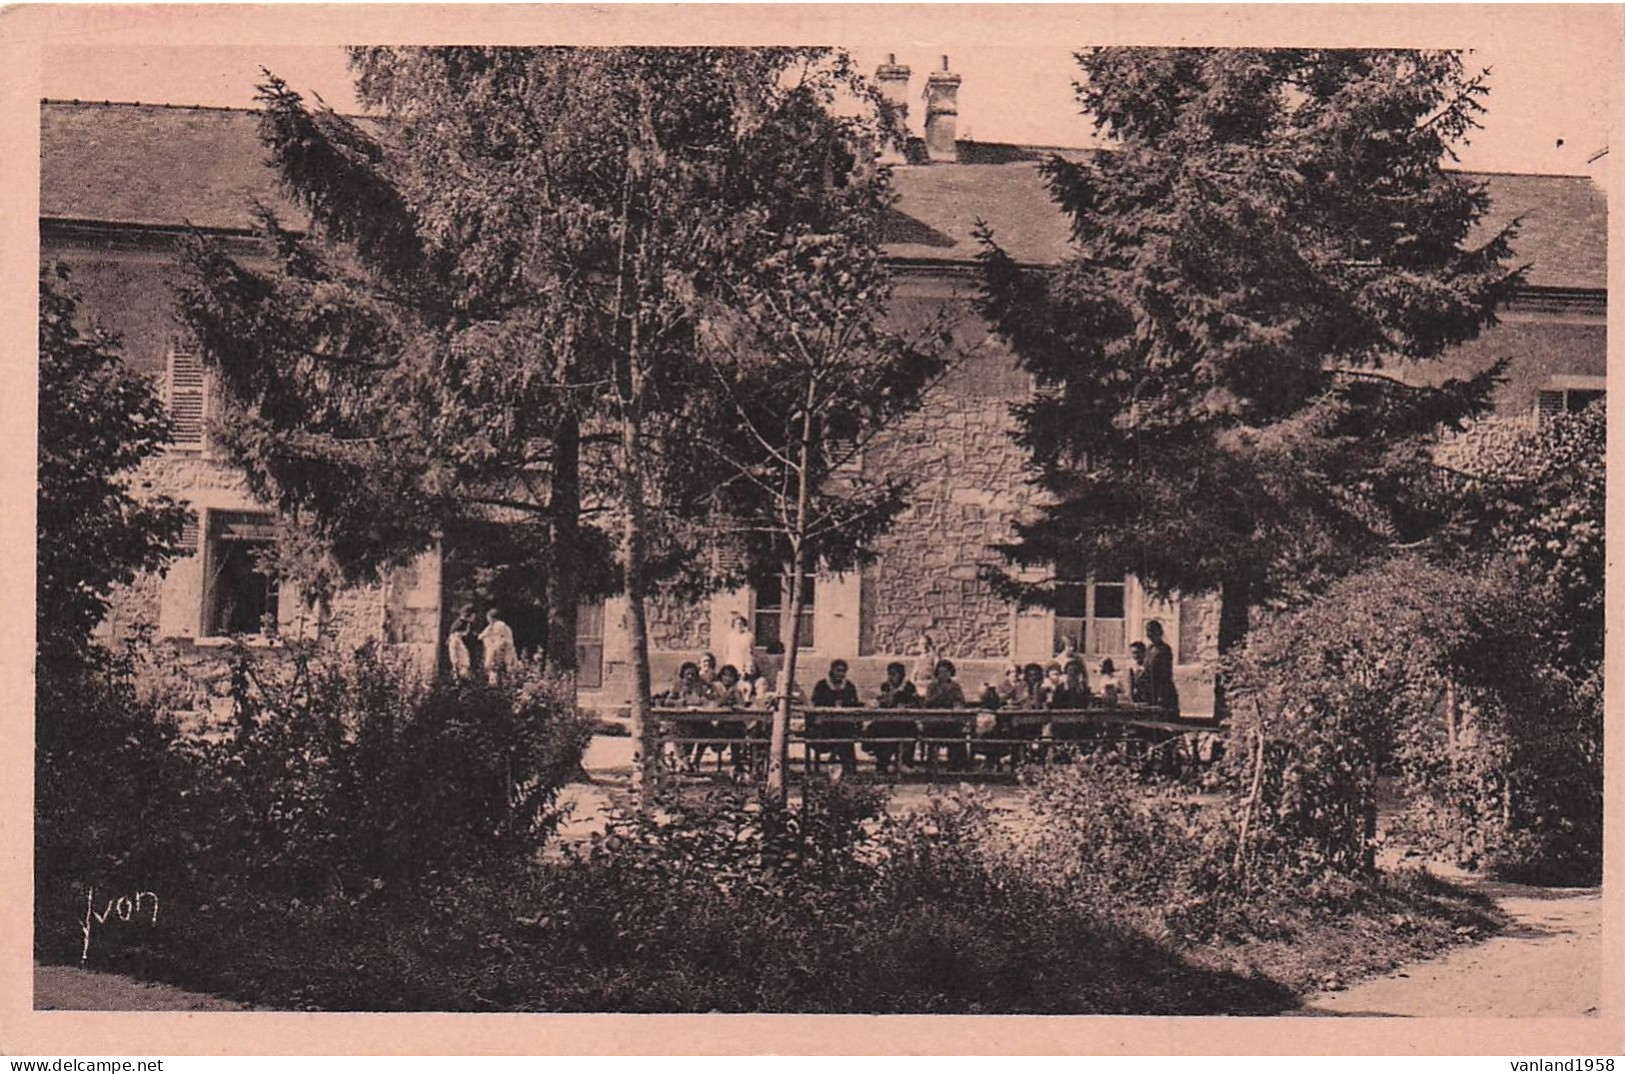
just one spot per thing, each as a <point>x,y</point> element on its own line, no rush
<point>374,395</point>
<point>498,308</point>
<point>1268,235</point>
<point>97,422</point>
<point>448,345</point>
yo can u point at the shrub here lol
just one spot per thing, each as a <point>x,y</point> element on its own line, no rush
<point>119,807</point>
<point>353,773</point>
<point>1113,838</point>
<point>340,782</point>
<point>1448,678</point>
<point>729,904</point>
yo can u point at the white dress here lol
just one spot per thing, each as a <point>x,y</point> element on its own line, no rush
<point>738,650</point>
<point>500,653</point>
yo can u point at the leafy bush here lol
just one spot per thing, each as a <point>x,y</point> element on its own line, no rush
<point>115,786</point>
<point>728,904</point>
<point>340,782</point>
<point>1113,838</point>
<point>1444,676</point>
<point>352,773</point>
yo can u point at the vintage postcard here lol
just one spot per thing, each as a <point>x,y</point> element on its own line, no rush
<point>1085,522</point>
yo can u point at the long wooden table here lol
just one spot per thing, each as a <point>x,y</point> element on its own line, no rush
<point>1020,734</point>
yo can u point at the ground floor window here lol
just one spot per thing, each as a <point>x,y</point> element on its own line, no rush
<point>240,595</point>
<point>1091,613</point>
<point>773,611</point>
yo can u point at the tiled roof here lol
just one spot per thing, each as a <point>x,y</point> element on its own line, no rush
<point>153,164</point>
<point>167,165</point>
<point>1563,235</point>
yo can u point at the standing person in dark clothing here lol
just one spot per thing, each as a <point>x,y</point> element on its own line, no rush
<point>1160,670</point>
<point>836,691</point>
<point>897,692</point>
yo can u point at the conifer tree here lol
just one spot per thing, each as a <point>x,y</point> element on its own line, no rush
<point>1268,241</point>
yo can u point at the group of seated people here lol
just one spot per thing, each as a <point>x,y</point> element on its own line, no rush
<point>1064,684</point>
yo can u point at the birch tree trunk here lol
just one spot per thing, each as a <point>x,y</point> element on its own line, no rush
<point>779,744</point>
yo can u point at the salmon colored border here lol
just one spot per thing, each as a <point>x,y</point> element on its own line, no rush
<point>26,31</point>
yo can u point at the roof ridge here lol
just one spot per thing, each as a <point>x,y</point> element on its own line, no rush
<point>80,102</point>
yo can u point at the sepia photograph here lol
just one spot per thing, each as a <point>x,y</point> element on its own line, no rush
<point>928,511</point>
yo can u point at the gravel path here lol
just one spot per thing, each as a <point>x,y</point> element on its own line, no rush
<point>1548,964</point>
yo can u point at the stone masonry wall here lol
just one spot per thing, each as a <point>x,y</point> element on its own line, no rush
<point>403,612</point>
<point>676,623</point>
<point>969,490</point>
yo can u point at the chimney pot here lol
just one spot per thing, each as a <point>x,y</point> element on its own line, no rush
<point>942,115</point>
<point>891,79</point>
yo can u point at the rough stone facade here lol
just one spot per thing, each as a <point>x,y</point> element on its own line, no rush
<point>969,491</point>
<point>677,623</point>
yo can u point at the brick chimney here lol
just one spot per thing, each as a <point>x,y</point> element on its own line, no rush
<point>942,115</point>
<point>891,79</point>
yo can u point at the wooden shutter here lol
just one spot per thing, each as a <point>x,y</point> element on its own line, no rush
<point>187,543</point>
<point>184,391</point>
<point>845,458</point>
<point>1548,405</point>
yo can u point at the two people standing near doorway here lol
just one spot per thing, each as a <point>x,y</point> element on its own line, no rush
<point>490,652</point>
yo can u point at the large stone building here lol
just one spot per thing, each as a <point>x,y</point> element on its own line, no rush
<point>120,182</point>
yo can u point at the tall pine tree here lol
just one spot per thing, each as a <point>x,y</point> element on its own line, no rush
<point>1268,240</point>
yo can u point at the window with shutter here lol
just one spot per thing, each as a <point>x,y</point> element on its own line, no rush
<point>728,560</point>
<point>845,457</point>
<point>184,392</point>
<point>240,597</point>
